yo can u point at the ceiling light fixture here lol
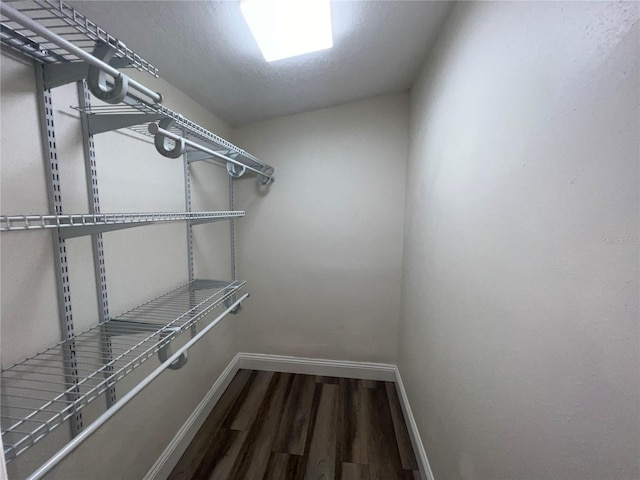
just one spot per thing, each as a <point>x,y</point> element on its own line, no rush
<point>288,28</point>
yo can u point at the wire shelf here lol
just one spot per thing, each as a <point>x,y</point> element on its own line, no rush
<point>36,396</point>
<point>67,23</point>
<point>182,126</point>
<point>85,224</point>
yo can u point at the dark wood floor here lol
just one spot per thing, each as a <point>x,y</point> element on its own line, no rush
<point>281,426</point>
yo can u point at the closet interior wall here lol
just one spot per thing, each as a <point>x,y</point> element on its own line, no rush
<point>326,271</point>
<point>519,335</point>
<point>141,263</point>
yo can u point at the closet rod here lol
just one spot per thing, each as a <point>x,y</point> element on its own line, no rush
<point>34,26</point>
<point>91,429</point>
<point>154,129</point>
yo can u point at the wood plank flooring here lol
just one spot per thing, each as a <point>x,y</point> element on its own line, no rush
<point>282,426</point>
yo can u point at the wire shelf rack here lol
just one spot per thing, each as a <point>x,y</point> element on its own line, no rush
<point>182,126</point>
<point>69,24</point>
<point>36,395</point>
<point>84,224</point>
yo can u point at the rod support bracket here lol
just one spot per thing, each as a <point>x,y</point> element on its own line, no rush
<point>234,170</point>
<point>97,79</point>
<point>165,351</point>
<point>230,301</point>
<point>161,142</point>
<point>264,180</point>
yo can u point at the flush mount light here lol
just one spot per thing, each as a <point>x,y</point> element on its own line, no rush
<point>288,28</point>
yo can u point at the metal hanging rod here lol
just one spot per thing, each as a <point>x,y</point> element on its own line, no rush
<point>85,224</point>
<point>110,117</point>
<point>91,429</point>
<point>68,23</point>
<point>81,54</point>
<point>264,178</point>
<point>36,399</point>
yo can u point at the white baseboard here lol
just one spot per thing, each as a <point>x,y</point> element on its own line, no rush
<point>278,363</point>
<point>161,469</point>
<point>412,426</point>
<point>317,366</point>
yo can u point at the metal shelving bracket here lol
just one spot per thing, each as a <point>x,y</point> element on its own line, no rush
<point>58,74</point>
<point>107,123</point>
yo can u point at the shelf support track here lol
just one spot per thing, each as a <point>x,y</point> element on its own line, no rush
<point>97,244</point>
<point>232,243</point>
<point>232,233</point>
<point>60,250</point>
<point>187,205</point>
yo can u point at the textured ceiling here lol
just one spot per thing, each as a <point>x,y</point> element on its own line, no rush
<point>207,51</point>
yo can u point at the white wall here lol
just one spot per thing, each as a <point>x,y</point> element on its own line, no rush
<point>140,263</point>
<point>519,334</point>
<point>321,250</point>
